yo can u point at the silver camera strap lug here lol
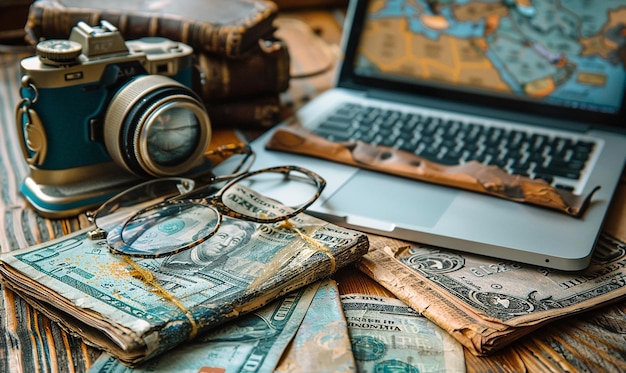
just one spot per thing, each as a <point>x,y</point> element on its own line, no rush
<point>35,146</point>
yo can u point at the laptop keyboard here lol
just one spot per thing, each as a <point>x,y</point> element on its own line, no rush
<point>558,160</point>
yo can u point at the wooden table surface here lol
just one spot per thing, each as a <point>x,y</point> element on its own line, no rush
<point>566,345</point>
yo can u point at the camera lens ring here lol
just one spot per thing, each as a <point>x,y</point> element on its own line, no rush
<point>139,124</point>
<point>131,116</point>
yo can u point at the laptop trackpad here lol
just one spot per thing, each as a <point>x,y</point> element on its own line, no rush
<point>389,199</point>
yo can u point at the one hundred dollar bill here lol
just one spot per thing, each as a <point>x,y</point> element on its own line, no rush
<point>389,336</point>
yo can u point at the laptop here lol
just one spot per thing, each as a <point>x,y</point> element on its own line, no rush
<point>556,69</point>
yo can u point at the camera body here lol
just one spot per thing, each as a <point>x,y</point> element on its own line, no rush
<point>98,113</point>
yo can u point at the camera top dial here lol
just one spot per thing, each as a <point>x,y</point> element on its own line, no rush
<point>58,51</point>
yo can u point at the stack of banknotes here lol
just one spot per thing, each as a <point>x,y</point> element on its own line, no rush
<point>314,329</point>
<point>138,308</point>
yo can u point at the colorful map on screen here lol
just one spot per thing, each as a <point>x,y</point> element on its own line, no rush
<point>564,52</point>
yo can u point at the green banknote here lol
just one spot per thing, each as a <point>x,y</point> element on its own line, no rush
<point>389,336</point>
<point>250,343</point>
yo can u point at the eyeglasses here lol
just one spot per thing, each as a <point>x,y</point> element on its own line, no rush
<point>160,189</point>
<point>185,217</point>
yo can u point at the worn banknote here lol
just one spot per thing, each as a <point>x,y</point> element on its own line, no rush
<point>322,343</point>
<point>487,303</point>
<point>389,336</point>
<point>250,343</point>
<point>141,307</point>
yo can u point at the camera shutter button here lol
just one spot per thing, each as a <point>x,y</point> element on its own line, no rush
<point>58,52</point>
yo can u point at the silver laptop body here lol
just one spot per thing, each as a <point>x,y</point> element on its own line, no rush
<point>450,218</point>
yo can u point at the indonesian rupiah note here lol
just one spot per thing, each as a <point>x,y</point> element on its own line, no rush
<point>387,335</point>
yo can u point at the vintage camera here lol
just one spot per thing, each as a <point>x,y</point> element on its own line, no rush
<point>97,113</point>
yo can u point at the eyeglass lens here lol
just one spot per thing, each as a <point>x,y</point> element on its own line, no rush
<point>248,196</point>
<point>173,226</point>
<point>167,228</point>
<point>133,198</point>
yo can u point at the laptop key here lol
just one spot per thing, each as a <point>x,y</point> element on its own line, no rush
<point>564,187</point>
<point>334,131</point>
<point>547,177</point>
<point>333,135</point>
<point>389,141</point>
<point>407,146</point>
<point>519,171</point>
<point>336,123</point>
<point>430,153</point>
<point>561,172</point>
<point>561,164</point>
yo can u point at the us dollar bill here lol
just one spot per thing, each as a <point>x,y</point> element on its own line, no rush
<point>105,298</point>
<point>387,335</point>
<point>250,343</point>
<point>487,303</point>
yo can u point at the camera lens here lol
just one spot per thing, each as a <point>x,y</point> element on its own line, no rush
<point>156,126</point>
<point>172,136</point>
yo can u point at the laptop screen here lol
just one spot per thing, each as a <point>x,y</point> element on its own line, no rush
<point>558,54</point>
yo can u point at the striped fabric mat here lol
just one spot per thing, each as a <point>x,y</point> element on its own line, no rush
<point>31,341</point>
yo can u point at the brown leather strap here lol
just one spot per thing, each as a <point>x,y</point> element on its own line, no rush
<point>472,175</point>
